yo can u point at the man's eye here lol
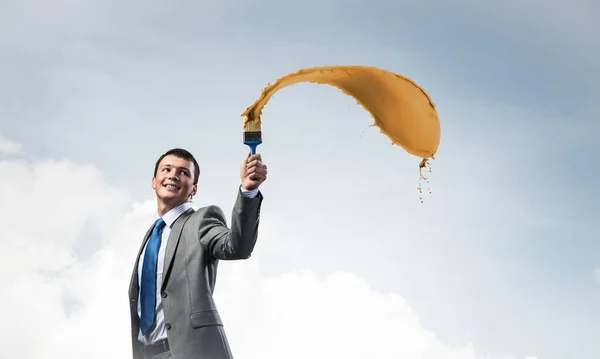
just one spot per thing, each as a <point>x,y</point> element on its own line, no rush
<point>184,173</point>
<point>165,169</point>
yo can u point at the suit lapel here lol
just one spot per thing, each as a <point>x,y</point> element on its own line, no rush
<point>133,285</point>
<point>173,243</point>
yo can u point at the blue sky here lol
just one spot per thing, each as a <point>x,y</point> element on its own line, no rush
<point>501,256</point>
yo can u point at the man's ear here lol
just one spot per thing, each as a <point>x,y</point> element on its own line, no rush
<point>153,182</point>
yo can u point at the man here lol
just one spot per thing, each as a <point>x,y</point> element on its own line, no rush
<point>173,314</point>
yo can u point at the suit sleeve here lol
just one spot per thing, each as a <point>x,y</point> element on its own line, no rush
<point>238,241</point>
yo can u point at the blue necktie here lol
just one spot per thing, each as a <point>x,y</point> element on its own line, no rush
<point>148,285</point>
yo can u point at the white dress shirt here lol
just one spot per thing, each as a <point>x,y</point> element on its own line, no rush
<point>159,332</point>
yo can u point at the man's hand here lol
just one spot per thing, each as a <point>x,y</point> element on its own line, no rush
<point>253,172</point>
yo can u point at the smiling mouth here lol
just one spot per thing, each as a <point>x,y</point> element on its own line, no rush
<point>170,186</point>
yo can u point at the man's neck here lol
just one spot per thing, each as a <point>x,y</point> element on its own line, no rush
<point>164,208</point>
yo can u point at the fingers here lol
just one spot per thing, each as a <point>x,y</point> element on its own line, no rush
<point>250,158</point>
<point>255,160</point>
<point>256,167</point>
<point>255,170</point>
<point>255,164</point>
<point>258,178</point>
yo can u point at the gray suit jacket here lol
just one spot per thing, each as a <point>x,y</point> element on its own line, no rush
<point>198,240</point>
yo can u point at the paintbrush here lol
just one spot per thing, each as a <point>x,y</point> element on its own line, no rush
<point>252,135</point>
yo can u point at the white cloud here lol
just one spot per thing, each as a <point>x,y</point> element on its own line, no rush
<point>8,147</point>
<point>57,303</point>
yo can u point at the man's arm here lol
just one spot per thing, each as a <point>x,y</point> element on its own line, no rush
<point>239,241</point>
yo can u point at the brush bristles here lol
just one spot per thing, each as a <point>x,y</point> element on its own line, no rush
<point>252,126</point>
<point>252,136</point>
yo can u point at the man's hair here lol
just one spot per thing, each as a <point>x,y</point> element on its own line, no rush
<point>180,153</point>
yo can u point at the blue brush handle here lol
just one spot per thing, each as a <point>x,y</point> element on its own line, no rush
<point>252,145</point>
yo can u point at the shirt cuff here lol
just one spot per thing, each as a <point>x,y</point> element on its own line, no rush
<point>250,194</point>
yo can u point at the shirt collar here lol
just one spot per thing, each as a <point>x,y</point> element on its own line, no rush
<point>171,216</point>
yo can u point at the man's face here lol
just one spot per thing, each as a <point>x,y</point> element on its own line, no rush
<point>174,182</point>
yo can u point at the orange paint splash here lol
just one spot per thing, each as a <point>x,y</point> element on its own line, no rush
<point>401,109</point>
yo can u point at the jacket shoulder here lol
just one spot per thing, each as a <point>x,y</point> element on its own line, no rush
<point>211,211</point>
